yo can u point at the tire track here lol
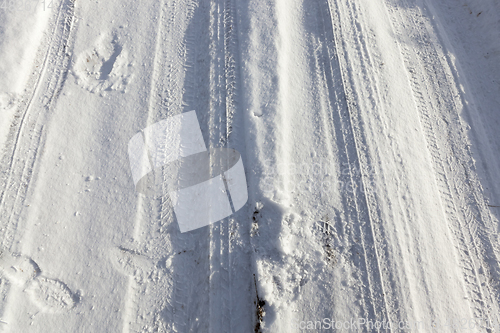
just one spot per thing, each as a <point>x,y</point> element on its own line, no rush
<point>338,118</point>
<point>223,89</point>
<point>473,221</point>
<point>26,135</point>
<point>173,293</point>
<point>197,288</point>
<point>362,212</point>
<point>26,139</point>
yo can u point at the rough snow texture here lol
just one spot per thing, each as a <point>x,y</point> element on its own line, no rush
<point>369,134</point>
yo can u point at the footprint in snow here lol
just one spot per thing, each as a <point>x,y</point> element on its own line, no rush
<point>133,264</point>
<point>49,295</point>
<point>105,67</point>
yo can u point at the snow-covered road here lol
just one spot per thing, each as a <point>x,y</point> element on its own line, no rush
<point>368,132</point>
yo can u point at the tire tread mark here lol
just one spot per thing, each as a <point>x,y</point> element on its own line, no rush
<point>464,228</point>
<point>363,208</point>
<point>26,136</point>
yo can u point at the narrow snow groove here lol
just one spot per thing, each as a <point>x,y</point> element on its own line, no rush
<point>33,87</point>
<point>222,110</point>
<point>131,322</point>
<point>133,293</point>
<point>286,13</point>
<point>217,133</point>
<point>230,64</point>
<point>131,304</point>
<point>25,138</point>
<point>12,235</point>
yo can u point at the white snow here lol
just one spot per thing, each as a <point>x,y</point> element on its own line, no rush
<point>19,43</point>
<point>367,131</point>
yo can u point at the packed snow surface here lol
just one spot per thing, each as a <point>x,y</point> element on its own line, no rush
<point>368,147</point>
